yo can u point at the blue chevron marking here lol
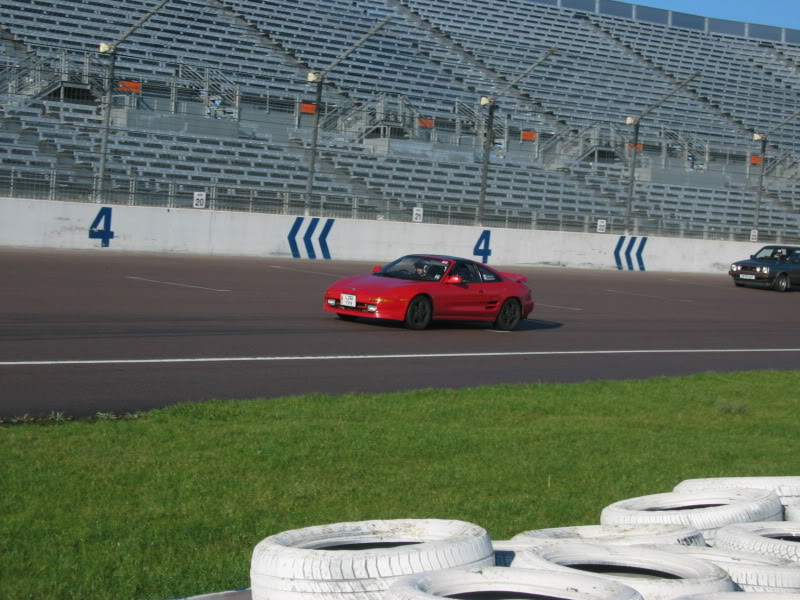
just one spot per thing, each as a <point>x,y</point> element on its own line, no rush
<point>307,237</point>
<point>616,252</point>
<point>292,235</point>
<point>639,253</point>
<point>628,252</point>
<point>323,239</point>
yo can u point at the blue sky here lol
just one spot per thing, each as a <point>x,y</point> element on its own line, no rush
<point>782,13</point>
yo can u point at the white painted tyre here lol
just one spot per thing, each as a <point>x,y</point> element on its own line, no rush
<point>502,582</point>
<point>751,572</point>
<point>773,539</point>
<point>655,574</point>
<point>739,596</point>
<point>707,510</point>
<point>619,535</point>
<point>361,558</point>
<point>505,550</point>
<point>792,512</point>
<point>786,487</point>
<point>231,595</point>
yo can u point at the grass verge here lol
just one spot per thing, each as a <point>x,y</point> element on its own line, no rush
<point>172,502</point>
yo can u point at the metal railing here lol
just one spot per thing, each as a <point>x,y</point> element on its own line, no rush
<point>71,186</point>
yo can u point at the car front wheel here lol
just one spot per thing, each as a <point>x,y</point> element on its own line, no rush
<point>419,313</point>
<point>509,316</point>
<point>781,283</point>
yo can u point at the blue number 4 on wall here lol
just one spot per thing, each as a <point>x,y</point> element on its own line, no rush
<point>100,229</point>
<point>481,248</point>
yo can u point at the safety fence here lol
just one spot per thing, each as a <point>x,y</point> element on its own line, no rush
<point>71,186</point>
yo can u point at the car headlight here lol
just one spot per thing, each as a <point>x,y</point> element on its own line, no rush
<point>332,301</point>
<point>735,267</point>
<point>372,308</point>
<point>764,270</point>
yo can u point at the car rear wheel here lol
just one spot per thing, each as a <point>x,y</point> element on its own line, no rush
<point>781,283</point>
<point>419,313</point>
<point>509,316</point>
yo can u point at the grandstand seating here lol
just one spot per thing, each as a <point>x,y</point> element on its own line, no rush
<point>252,148</point>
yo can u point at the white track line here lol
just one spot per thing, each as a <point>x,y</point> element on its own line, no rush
<point>197,287</point>
<point>705,285</point>
<point>305,271</point>
<point>646,296</point>
<point>228,359</point>
<point>554,306</point>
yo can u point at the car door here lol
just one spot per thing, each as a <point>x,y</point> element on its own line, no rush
<point>492,290</point>
<point>794,268</point>
<point>460,299</point>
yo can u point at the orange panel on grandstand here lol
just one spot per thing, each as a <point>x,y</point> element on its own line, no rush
<point>133,87</point>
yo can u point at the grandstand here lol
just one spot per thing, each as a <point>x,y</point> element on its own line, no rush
<point>214,96</point>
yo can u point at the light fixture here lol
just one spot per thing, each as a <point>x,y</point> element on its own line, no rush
<point>313,76</point>
<point>485,100</point>
<point>105,48</point>
<point>631,120</point>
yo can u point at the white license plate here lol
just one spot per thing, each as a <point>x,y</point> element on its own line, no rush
<point>747,276</point>
<point>348,300</point>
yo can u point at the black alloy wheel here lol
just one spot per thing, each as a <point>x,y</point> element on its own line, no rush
<point>419,313</point>
<point>509,316</point>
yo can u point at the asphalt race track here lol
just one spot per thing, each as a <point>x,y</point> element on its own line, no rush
<point>158,319</point>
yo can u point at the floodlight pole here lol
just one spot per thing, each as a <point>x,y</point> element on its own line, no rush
<point>111,50</point>
<point>757,213</point>
<point>632,162</point>
<point>488,138</point>
<point>763,137</point>
<point>318,77</point>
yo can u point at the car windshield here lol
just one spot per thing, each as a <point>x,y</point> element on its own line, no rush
<point>418,268</point>
<point>771,252</point>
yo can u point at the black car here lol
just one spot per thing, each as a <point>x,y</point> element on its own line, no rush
<point>776,266</point>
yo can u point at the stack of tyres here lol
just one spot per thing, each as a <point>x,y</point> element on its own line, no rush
<point>655,574</point>
<point>707,509</point>
<point>619,535</point>
<point>360,560</point>
<point>750,571</point>
<point>773,539</point>
<point>504,582</point>
<point>792,512</point>
<point>786,487</point>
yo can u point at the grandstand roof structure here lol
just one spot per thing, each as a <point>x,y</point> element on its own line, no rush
<point>214,96</point>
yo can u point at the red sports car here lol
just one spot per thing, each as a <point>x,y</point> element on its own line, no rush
<point>418,288</point>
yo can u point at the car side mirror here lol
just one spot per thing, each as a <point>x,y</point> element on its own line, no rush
<point>377,269</point>
<point>752,256</point>
<point>455,279</point>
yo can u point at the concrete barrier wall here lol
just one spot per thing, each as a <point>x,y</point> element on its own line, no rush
<point>45,224</point>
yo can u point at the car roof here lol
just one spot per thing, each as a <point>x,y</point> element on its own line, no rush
<point>443,257</point>
<point>781,246</point>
